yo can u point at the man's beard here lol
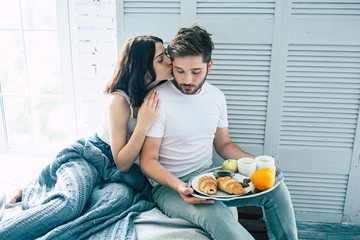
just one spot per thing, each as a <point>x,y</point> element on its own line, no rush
<point>179,86</point>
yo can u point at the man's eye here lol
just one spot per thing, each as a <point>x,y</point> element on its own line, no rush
<point>180,71</point>
<point>160,60</point>
<point>195,72</point>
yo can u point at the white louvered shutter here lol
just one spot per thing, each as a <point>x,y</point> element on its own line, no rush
<point>320,110</point>
<point>241,71</point>
<point>160,18</point>
<point>320,107</point>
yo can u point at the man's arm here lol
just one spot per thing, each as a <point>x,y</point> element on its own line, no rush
<point>151,167</point>
<point>226,148</point>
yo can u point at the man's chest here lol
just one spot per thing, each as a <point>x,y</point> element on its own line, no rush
<point>196,120</point>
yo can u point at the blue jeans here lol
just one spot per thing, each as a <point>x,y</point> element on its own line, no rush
<point>133,171</point>
<point>103,146</point>
<point>217,220</point>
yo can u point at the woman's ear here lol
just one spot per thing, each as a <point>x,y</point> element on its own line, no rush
<point>209,65</point>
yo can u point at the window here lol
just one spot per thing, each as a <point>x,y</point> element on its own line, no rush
<point>36,113</point>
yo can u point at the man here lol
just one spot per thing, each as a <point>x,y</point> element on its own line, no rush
<point>192,119</point>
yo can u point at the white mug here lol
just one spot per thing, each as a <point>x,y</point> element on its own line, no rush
<point>247,166</point>
<point>265,162</point>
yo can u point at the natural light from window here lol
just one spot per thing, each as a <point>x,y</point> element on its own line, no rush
<point>31,91</point>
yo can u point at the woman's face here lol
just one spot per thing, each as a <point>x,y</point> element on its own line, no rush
<point>162,66</point>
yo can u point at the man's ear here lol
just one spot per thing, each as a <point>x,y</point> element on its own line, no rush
<point>209,66</point>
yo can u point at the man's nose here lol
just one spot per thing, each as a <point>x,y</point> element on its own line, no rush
<point>188,79</point>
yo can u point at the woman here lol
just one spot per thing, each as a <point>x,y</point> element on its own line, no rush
<point>137,72</point>
<point>142,65</point>
<point>94,182</point>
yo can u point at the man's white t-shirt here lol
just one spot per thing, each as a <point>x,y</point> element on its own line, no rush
<point>187,125</point>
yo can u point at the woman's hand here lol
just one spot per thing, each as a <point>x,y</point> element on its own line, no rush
<point>148,111</point>
<point>185,192</point>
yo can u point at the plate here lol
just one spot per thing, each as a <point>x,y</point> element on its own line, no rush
<point>252,193</point>
<point>219,193</point>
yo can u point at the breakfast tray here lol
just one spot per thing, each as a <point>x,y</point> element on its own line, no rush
<point>252,192</point>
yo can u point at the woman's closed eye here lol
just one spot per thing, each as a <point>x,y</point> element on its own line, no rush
<point>160,58</point>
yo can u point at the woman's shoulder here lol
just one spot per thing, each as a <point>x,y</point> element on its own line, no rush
<point>117,102</point>
<point>120,95</point>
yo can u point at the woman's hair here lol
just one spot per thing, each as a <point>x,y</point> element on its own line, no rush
<point>192,41</point>
<point>135,64</point>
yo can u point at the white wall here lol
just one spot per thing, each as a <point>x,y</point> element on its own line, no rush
<point>95,54</point>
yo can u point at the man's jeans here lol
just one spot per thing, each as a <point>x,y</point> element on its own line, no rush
<point>217,220</point>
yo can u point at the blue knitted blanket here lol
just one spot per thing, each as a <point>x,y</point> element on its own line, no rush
<point>80,195</point>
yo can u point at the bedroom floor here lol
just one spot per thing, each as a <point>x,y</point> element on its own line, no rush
<point>327,231</point>
<point>17,171</point>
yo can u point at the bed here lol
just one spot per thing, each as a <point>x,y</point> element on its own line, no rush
<point>149,225</point>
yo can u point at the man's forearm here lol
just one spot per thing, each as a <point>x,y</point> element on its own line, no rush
<point>160,174</point>
<point>226,148</point>
<point>232,151</point>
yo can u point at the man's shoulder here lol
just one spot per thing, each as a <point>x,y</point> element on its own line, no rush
<point>213,89</point>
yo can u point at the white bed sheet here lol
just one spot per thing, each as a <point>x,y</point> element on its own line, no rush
<point>150,225</point>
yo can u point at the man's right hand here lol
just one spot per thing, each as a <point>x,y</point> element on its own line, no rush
<point>186,192</point>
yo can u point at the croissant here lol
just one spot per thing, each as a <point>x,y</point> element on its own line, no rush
<point>207,185</point>
<point>230,185</point>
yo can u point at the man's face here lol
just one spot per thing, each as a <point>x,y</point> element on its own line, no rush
<point>190,73</point>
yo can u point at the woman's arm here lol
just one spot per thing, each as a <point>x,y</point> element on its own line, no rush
<point>118,111</point>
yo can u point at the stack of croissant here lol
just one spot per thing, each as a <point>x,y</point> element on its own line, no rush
<point>209,185</point>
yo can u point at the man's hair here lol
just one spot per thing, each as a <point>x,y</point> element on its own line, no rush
<point>192,41</point>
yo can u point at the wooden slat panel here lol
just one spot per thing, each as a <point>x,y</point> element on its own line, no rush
<point>305,94</point>
<point>160,18</point>
<point>152,7</point>
<point>231,9</point>
<point>316,192</point>
<point>317,129</point>
<point>327,8</point>
<point>241,71</point>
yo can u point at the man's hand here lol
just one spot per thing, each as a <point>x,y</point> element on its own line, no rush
<point>185,192</point>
